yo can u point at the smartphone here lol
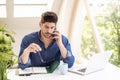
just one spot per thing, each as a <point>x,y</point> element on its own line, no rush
<point>53,35</point>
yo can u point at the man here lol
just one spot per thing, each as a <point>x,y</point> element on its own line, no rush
<point>42,48</point>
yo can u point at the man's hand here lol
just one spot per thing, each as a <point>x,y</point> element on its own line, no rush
<point>57,37</point>
<point>33,47</point>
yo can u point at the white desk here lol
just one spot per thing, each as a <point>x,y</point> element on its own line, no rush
<point>110,72</point>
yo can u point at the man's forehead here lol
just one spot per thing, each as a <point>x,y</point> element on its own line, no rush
<point>49,24</point>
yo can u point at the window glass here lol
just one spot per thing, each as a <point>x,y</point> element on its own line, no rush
<point>2,1</point>
<point>2,8</point>
<point>28,11</point>
<point>31,8</point>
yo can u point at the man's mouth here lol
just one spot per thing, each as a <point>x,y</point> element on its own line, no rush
<point>48,34</point>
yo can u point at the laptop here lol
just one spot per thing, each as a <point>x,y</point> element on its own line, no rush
<point>97,62</point>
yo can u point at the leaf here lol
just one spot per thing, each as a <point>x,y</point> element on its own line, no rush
<point>6,53</point>
<point>9,31</point>
<point>2,26</point>
<point>11,37</point>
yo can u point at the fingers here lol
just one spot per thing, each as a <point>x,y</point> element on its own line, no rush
<point>58,37</point>
<point>56,34</point>
<point>34,48</point>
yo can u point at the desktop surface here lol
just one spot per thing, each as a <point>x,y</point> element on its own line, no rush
<point>110,72</point>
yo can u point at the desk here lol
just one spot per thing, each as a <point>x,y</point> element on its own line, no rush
<point>110,72</point>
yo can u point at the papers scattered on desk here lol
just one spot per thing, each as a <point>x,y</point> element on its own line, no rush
<point>32,70</point>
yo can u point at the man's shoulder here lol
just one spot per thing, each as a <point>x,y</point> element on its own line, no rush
<point>64,39</point>
<point>31,35</point>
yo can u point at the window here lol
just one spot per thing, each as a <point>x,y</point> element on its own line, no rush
<point>2,8</point>
<point>31,8</point>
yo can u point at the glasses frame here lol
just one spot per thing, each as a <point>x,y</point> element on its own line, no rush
<point>42,60</point>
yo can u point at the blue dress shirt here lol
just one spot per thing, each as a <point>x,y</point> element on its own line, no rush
<point>49,54</point>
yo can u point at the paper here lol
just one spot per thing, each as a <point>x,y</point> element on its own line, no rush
<point>32,70</point>
<point>39,70</point>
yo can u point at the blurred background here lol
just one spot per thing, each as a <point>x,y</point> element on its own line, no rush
<point>92,26</point>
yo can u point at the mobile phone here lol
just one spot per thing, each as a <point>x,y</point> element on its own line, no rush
<point>53,35</point>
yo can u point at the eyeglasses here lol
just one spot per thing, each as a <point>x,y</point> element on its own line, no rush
<point>43,61</point>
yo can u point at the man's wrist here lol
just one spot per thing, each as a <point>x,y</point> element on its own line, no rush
<point>26,51</point>
<point>60,44</point>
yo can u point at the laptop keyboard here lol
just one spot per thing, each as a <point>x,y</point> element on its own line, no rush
<point>82,70</point>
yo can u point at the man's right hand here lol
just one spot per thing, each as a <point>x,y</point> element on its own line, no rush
<point>33,47</point>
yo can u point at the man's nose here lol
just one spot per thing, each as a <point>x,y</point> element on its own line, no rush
<point>49,30</point>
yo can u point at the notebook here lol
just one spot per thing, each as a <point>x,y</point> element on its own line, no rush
<point>97,62</point>
<point>32,70</point>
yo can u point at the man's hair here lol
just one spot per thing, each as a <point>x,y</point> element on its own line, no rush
<point>49,17</point>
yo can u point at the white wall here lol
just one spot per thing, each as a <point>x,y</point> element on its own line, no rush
<point>21,26</point>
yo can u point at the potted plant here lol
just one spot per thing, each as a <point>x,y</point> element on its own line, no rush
<point>7,56</point>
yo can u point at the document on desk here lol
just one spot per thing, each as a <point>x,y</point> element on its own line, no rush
<point>32,70</point>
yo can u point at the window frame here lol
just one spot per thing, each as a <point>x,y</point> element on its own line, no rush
<point>10,9</point>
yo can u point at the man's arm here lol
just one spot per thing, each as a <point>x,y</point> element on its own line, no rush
<point>24,60</point>
<point>58,39</point>
<point>65,48</point>
<point>69,57</point>
<point>66,54</point>
<point>31,48</point>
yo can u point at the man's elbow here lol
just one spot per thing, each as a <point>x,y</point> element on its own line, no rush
<point>70,61</point>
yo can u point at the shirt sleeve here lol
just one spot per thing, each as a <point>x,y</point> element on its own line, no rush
<point>70,58</point>
<point>24,44</point>
<point>23,66</point>
<point>69,54</point>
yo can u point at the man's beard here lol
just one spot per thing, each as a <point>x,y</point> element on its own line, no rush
<point>47,35</point>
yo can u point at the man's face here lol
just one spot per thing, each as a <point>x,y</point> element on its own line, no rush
<point>47,29</point>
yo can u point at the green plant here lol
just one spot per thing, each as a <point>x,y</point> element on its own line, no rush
<point>114,18</point>
<point>88,43</point>
<point>7,56</point>
<point>110,31</point>
<point>109,28</point>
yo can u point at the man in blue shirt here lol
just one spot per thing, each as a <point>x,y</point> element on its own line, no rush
<point>42,48</point>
